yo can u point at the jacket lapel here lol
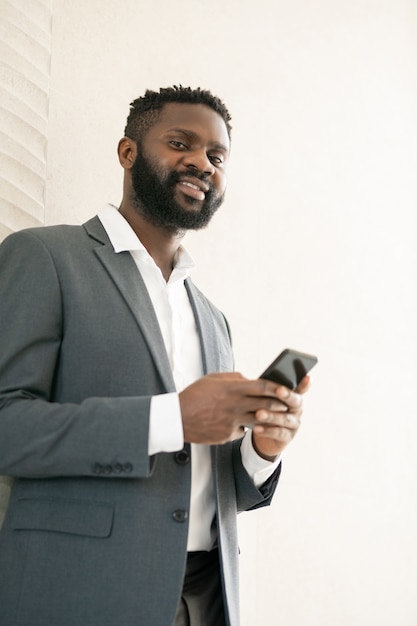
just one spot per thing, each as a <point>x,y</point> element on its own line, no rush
<point>206,330</point>
<point>124,273</point>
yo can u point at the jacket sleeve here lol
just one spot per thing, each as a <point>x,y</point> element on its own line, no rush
<point>39,436</point>
<point>248,496</point>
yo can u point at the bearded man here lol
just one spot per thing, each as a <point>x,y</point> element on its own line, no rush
<point>131,443</point>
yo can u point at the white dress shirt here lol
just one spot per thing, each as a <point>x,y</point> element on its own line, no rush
<point>178,328</point>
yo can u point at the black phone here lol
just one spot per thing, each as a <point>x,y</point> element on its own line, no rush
<point>289,368</point>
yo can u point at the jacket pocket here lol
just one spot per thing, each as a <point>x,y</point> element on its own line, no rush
<point>63,515</point>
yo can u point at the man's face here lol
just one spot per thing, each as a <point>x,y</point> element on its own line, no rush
<point>179,174</point>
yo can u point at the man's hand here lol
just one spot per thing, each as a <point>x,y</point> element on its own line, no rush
<point>276,429</point>
<point>216,408</point>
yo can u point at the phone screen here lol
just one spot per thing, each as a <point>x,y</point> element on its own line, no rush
<point>289,368</point>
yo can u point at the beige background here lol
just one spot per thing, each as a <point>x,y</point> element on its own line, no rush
<point>314,249</point>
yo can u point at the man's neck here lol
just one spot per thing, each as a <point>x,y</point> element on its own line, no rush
<point>160,243</point>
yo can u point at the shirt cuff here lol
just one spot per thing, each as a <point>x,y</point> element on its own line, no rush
<point>165,424</point>
<point>259,469</point>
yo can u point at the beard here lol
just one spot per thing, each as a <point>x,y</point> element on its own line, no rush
<point>154,198</point>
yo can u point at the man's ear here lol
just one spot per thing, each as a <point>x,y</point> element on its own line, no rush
<point>127,150</point>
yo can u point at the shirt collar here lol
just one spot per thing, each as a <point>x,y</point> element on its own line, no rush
<point>124,239</point>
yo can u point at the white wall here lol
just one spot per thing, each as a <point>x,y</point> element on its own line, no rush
<point>314,249</point>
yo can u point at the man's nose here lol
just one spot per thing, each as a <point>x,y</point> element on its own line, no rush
<point>198,159</point>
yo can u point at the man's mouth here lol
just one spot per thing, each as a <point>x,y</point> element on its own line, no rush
<point>193,188</point>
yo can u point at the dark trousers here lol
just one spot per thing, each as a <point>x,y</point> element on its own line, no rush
<point>201,602</point>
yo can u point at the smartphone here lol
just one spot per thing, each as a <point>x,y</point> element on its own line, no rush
<point>289,368</point>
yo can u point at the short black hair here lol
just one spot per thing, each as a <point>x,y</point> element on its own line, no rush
<point>144,111</point>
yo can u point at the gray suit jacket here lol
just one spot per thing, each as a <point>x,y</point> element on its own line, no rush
<point>96,530</point>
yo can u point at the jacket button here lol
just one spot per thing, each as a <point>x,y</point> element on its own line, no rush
<point>182,457</point>
<point>98,469</point>
<point>128,467</point>
<point>118,468</point>
<point>180,515</point>
<point>107,469</point>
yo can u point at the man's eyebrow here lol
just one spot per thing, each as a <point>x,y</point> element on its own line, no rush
<point>192,135</point>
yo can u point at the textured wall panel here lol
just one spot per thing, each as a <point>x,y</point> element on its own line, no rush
<point>25,59</point>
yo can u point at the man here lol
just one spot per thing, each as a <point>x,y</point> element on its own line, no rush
<point>120,420</point>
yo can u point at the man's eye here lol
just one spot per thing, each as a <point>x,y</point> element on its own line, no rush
<point>216,160</point>
<point>178,144</point>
